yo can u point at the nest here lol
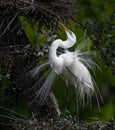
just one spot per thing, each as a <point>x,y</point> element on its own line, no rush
<point>44,12</point>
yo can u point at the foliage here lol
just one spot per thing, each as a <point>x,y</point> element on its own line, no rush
<point>99,23</point>
<point>98,36</point>
<point>103,36</point>
<point>31,31</point>
<point>102,41</point>
<point>96,9</point>
<point>85,43</point>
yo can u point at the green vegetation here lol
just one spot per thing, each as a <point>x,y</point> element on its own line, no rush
<point>96,35</point>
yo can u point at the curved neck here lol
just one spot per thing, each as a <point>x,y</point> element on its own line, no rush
<point>53,48</point>
<point>63,44</point>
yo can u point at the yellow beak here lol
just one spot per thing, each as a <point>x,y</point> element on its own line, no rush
<point>64,27</point>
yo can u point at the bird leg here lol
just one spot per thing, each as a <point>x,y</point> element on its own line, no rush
<point>77,104</point>
<point>67,98</point>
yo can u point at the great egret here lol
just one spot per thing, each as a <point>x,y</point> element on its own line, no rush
<point>71,66</point>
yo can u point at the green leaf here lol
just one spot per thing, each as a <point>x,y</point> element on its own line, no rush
<point>107,111</point>
<point>31,31</point>
<point>85,44</point>
<point>41,39</point>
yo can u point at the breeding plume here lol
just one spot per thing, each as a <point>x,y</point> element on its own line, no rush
<point>69,65</point>
<point>72,67</point>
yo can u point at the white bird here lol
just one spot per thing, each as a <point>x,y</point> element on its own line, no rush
<point>69,64</point>
<point>71,67</point>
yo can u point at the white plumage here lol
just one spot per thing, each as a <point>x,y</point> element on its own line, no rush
<point>70,66</point>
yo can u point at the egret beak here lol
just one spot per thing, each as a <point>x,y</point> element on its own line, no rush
<point>64,27</point>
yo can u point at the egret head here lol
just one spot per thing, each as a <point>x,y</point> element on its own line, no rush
<point>70,35</point>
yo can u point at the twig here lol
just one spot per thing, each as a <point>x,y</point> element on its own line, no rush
<point>12,112</point>
<point>8,25</point>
